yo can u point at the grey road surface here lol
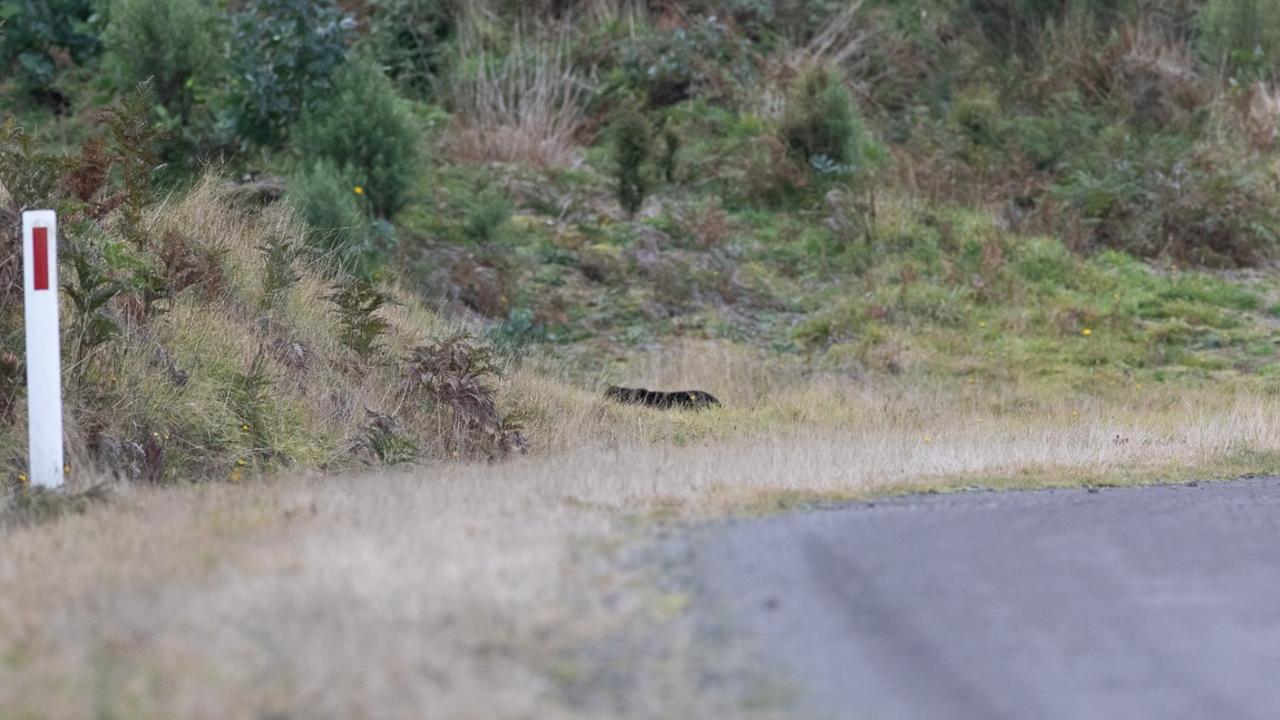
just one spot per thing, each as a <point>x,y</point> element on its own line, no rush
<point>1160,602</point>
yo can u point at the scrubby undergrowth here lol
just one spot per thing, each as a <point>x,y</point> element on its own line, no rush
<point>1059,199</point>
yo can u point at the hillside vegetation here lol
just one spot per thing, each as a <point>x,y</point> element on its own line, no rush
<point>344,281</point>
<point>305,234</point>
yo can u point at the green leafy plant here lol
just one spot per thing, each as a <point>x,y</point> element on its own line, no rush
<point>282,54</point>
<point>381,438</point>
<point>410,38</point>
<point>667,68</point>
<point>92,290</point>
<point>30,174</point>
<point>1204,204</point>
<point>251,401</point>
<point>174,43</point>
<point>338,227</point>
<point>37,36</point>
<point>670,154</point>
<point>821,126</point>
<point>358,302</point>
<point>631,140</point>
<point>1243,33</point>
<point>133,141</point>
<point>367,132</point>
<point>486,217</point>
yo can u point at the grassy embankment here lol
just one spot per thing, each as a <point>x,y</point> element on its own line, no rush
<point>1040,265</point>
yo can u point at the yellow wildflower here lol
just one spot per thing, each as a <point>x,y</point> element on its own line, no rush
<point>1086,332</point>
<point>359,190</point>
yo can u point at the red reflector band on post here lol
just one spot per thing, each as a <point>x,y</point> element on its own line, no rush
<point>40,247</point>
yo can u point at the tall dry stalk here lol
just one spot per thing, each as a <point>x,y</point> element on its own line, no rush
<point>839,44</point>
<point>525,107</point>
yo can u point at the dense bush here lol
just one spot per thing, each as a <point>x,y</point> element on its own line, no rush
<point>665,68</point>
<point>175,43</point>
<point>410,39</point>
<point>282,54</point>
<point>329,203</point>
<point>1205,204</point>
<point>39,36</point>
<point>367,131</point>
<point>1245,34</point>
<point>821,126</point>
<point>631,139</point>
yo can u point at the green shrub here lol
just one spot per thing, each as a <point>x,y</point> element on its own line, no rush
<point>34,33</point>
<point>359,303</point>
<point>410,38</point>
<point>670,155</point>
<point>175,46</point>
<point>667,68</point>
<point>631,138</point>
<point>176,43</point>
<point>1207,204</point>
<point>282,54</point>
<point>337,226</point>
<point>1243,33</point>
<point>821,126</point>
<point>486,216</point>
<point>366,130</point>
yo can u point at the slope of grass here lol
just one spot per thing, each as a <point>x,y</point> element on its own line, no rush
<point>505,591</point>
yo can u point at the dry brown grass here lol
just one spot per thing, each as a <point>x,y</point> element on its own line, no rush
<point>839,44</point>
<point>527,107</point>
<point>472,591</point>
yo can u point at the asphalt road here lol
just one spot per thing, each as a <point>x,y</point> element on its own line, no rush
<point>1160,602</point>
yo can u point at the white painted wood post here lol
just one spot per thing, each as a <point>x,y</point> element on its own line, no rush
<point>44,358</point>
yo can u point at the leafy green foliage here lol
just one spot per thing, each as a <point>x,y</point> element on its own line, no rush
<point>30,173</point>
<point>670,154</point>
<point>487,216</point>
<point>177,44</point>
<point>282,54</point>
<point>666,68</point>
<point>410,38</point>
<point>382,439</point>
<point>358,302</point>
<point>1015,24</point>
<point>338,227</point>
<point>368,132</point>
<point>37,36</point>
<point>631,141</point>
<point>1201,204</point>
<point>1243,33</point>
<point>250,400</point>
<point>92,290</point>
<point>821,126</point>
<point>133,140</point>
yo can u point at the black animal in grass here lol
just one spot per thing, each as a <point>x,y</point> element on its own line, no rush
<point>683,400</point>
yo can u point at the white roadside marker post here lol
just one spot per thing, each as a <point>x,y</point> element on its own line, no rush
<point>44,359</point>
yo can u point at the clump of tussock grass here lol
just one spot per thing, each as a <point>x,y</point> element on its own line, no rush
<point>26,505</point>
<point>526,106</point>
